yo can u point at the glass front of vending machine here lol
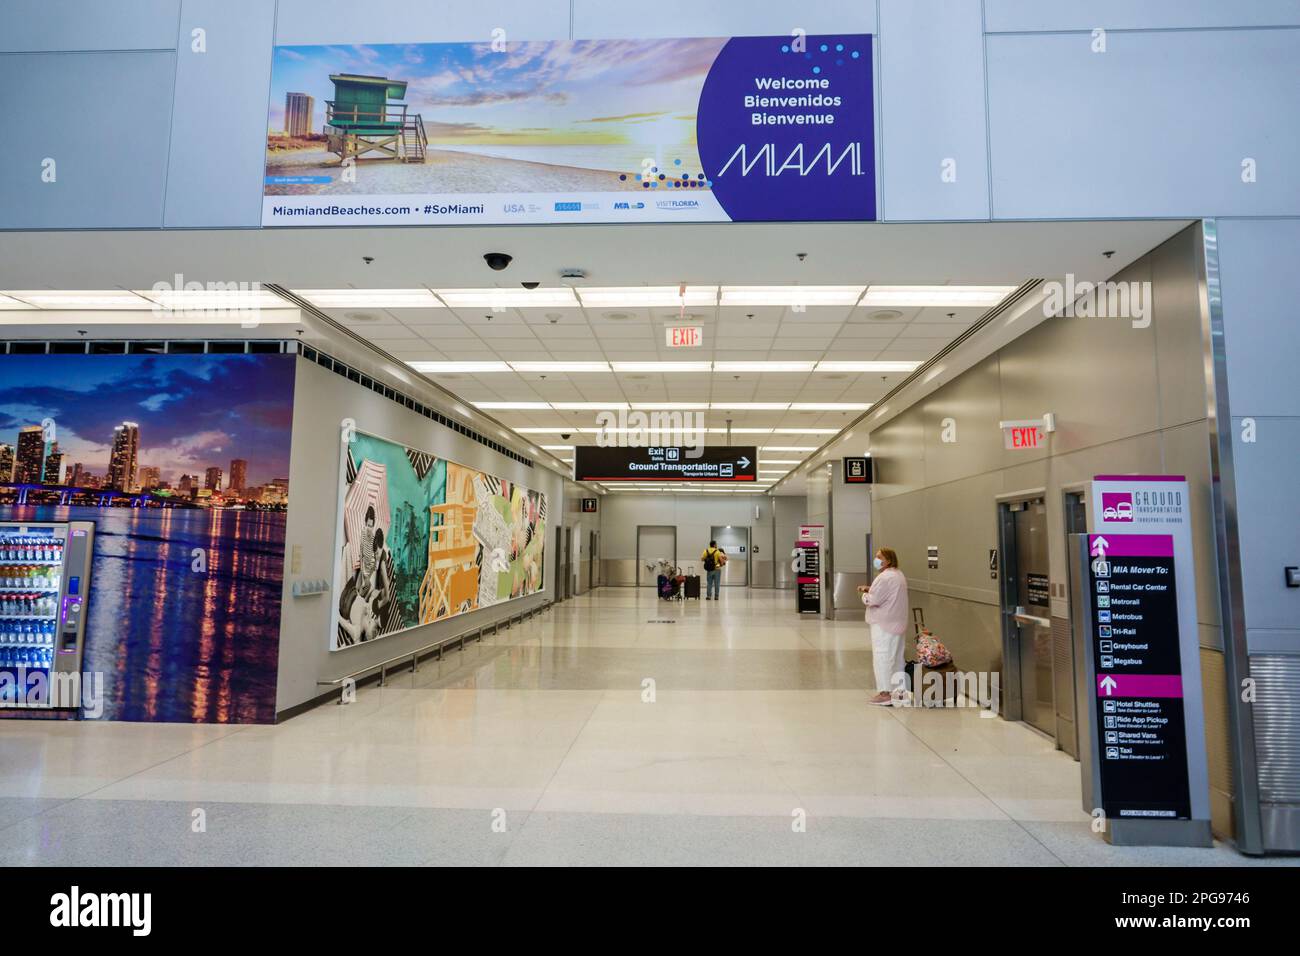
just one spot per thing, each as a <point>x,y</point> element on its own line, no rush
<point>44,582</point>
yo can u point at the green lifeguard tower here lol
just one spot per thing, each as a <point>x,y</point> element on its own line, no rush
<point>362,118</point>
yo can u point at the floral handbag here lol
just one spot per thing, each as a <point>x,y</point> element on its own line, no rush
<point>930,650</point>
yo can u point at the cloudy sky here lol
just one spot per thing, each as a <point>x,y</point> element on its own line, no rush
<point>581,92</point>
<point>194,411</point>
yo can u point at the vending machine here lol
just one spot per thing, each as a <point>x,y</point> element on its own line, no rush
<point>44,582</point>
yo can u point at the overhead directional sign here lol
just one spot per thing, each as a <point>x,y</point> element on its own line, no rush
<point>666,463</point>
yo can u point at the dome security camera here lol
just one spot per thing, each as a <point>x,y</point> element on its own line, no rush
<point>497,261</point>
<point>530,285</point>
<point>565,436</point>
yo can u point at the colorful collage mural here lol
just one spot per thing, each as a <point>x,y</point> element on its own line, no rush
<point>422,539</point>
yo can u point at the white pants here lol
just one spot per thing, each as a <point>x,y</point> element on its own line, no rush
<point>887,660</point>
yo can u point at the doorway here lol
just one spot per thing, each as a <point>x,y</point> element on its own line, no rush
<point>568,563</point>
<point>733,539</point>
<point>593,559</point>
<point>1026,613</point>
<point>1065,673</point>
<point>559,565</point>
<point>654,542</point>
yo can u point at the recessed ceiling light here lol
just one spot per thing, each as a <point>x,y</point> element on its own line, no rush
<point>885,315</point>
<point>617,316</point>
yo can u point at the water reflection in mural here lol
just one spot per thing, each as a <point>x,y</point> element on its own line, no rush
<point>174,644</point>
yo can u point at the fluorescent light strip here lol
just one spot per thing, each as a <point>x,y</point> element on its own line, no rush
<point>829,406</point>
<point>562,297</point>
<point>648,297</point>
<point>662,366</point>
<point>93,299</point>
<point>370,298</point>
<point>194,300</point>
<point>588,406</point>
<point>763,366</point>
<point>751,406</point>
<point>514,406</point>
<point>922,296</point>
<point>867,366</point>
<point>793,295</point>
<point>454,367</point>
<point>560,366</point>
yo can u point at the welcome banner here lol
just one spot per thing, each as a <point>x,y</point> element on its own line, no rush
<point>738,129</point>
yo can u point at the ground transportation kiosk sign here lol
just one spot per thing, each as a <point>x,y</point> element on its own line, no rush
<point>710,129</point>
<point>1143,744</point>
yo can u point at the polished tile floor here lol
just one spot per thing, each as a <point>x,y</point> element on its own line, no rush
<point>613,729</point>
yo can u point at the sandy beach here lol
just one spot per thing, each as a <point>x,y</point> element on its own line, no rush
<point>443,172</point>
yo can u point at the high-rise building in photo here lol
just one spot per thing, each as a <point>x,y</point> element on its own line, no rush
<point>212,479</point>
<point>6,463</point>
<point>186,484</point>
<point>122,462</point>
<point>52,473</point>
<point>238,474</point>
<point>150,477</point>
<point>79,475</point>
<point>298,110</point>
<point>30,463</point>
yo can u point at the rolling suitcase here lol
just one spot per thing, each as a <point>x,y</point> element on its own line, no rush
<point>693,586</point>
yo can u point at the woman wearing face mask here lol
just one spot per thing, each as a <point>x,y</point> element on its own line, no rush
<point>886,602</point>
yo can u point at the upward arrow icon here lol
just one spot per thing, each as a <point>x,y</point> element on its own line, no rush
<point>1099,546</point>
<point>1108,684</point>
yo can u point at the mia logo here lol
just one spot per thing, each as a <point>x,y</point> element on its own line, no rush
<point>1116,506</point>
<point>796,161</point>
<point>133,910</point>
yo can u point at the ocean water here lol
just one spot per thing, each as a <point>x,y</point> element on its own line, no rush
<point>175,644</point>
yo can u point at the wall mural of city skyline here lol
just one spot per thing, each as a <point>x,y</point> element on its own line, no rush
<point>186,579</point>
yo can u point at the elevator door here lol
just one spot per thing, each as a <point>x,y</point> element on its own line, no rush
<point>653,543</point>
<point>733,539</point>
<point>1028,609</point>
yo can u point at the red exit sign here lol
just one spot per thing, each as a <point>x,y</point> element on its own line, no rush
<point>1022,435</point>
<point>684,336</point>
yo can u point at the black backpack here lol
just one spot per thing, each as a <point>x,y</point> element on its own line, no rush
<point>710,560</point>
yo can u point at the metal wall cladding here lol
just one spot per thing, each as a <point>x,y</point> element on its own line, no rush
<point>1218,750</point>
<point>1277,726</point>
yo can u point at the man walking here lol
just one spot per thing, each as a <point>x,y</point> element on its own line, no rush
<point>714,558</point>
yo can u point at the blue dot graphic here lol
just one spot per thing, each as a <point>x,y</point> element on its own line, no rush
<point>677,162</point>
<point>817,69</point>
<point>785,48</point>
<point>622,177</point>
<point>825,48</point>
<point>839,48</point>
<point>855,54</point>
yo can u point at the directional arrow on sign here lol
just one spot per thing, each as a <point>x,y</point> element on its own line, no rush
<point>744,462</point>
<point>1099,546</point>
<point>1108,684</point>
